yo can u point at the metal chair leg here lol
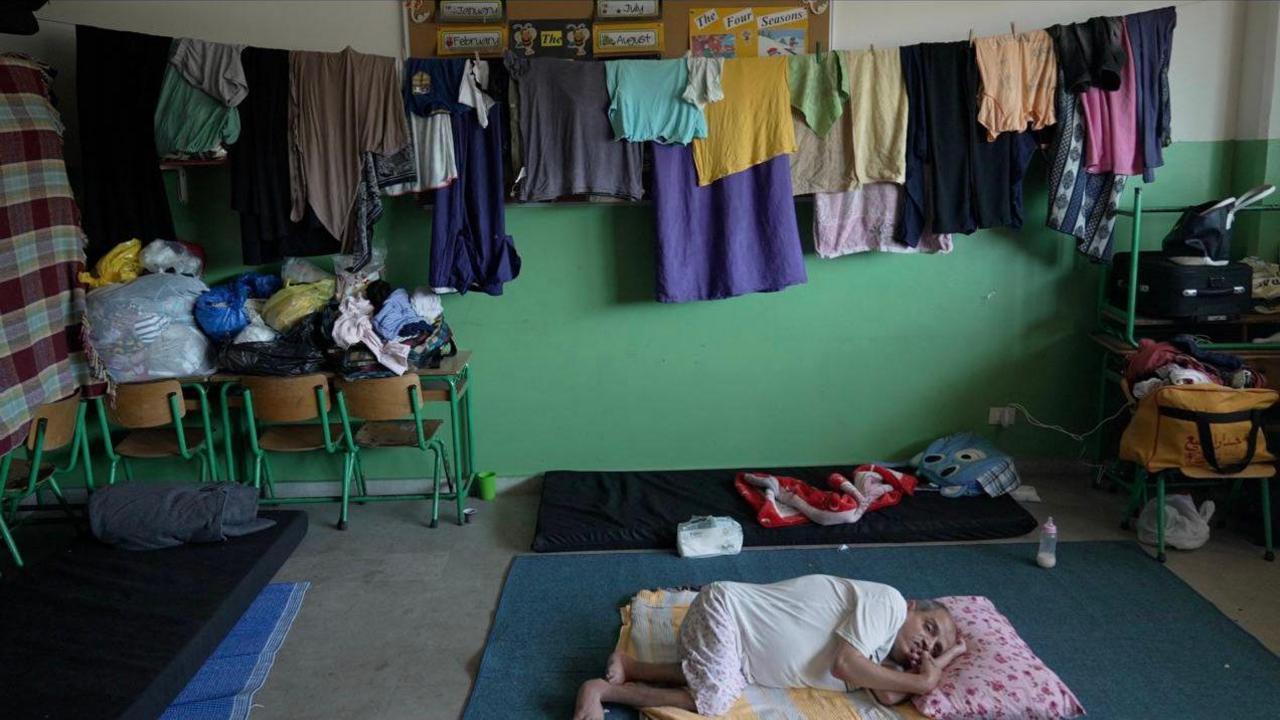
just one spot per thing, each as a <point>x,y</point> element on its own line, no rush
<point>1160,517</point>
<point>1136,492</point>
<point>347,469</point>
<point>435,487</point>
<point>128,469</point>
<point>62,499</point>
<point>1270,554</point>
<point>8,540</point>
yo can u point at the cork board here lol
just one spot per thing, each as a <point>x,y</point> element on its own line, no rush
<point>675,20</point>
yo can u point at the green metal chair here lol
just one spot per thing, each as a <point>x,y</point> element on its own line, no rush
<point>55,426</point>
<point>153,414</point>
<point>391,411</point>
<point>289,406</point>
<point>1193,476</point>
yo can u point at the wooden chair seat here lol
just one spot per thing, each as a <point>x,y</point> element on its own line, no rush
<point>1257,471</point>
<point>156,443</point>
<point>394,433</point>
<point>20,471</point>
<point>296,438</point>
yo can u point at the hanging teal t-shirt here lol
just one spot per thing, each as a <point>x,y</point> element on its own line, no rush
<point>646,102</point>
<point>188,120</point>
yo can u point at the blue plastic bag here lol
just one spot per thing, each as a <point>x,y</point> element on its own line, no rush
<point>220,311</point>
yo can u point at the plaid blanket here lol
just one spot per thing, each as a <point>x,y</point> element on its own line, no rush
<point>41,251</point>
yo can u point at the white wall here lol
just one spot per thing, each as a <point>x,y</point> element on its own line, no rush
<point>1207,46</point>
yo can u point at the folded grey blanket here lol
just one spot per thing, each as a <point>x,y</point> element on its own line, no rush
<point>147,516</point>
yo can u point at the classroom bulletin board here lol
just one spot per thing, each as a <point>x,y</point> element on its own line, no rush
<point>671,29</point>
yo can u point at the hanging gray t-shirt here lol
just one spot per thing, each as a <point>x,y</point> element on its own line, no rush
<point>568,144</point>
<point>213,67</point>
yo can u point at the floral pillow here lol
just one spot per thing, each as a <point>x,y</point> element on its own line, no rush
<point>998,678</point>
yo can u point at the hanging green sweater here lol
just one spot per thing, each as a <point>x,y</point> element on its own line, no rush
<point>190,121</point>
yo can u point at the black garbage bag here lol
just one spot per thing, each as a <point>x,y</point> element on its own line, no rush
<point>297,352</point>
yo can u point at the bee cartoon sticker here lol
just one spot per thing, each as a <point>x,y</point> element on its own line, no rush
<point>524,38</point>
<point>577,38</point>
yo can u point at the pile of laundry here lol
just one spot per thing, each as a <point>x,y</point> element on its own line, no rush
<point>1181,361</point>
<point>1266,285</point>
<point>786,501</point>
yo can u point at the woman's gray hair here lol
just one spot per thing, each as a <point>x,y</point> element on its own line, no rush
<point>930,606</point>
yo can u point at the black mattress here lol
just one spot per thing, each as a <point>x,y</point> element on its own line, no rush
<point>96,632</point>
<point>640,511</point>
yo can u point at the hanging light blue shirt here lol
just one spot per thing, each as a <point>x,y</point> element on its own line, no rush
<point>646,103</point>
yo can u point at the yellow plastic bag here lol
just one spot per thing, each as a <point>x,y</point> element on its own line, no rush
<point>121,265</point>
<point>284,309</point>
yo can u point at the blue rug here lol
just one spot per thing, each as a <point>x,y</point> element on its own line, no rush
<point>223,688</point>
<point>1127,635</point>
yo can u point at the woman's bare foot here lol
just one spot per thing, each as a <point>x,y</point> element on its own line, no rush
<point>618,669</point>
<point>590,706</point>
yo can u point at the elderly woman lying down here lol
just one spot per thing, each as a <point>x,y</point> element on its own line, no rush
<point>816,631</point>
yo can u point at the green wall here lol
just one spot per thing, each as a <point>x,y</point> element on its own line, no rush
<point>576,366</point>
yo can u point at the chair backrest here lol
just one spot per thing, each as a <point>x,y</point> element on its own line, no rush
<point>145,405</point>
<point>60,423</point>
<point>286,399</point>
<point>381,398</point>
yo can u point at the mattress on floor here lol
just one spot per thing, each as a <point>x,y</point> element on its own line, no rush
<point>97,632</point>
<point>640,511</point>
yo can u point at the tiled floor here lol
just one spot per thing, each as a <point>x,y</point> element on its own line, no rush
<point>397,614</point>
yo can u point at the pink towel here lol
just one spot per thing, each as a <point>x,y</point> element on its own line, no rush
<point>1111,121</point>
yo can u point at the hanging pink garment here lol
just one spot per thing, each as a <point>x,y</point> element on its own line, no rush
<point>1111,123</point>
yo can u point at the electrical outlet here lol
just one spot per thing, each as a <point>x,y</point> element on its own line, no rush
<point>1003,416</point>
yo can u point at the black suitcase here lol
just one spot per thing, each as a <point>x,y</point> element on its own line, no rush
<point>1169,290</point>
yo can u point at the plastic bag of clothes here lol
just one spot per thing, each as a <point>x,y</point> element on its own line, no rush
<point>121,264</point>
<point>221,311</point>
<point>353,282</point>
<point>295,302</point>
<point>1186,526</point>
<point>145,330</point>
<point>296,352</point>
<point>256,330</point>
<point>299,270</point>
<point>172,256</point>
<point>428,349</point>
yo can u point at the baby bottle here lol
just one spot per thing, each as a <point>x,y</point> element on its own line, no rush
<point>1047,557</point>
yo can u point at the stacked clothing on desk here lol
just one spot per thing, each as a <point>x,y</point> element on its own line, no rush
<point>1182,361</point>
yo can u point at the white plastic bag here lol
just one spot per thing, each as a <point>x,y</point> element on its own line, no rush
<point>169,256</point>
<point>708,537</point>
<point>144,330</point>
<point>1185,526</point>
<point>299,270</point>
<point>354,282</point>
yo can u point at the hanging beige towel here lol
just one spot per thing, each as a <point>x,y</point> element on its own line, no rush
<point>1019,76</point>
<point>878,103</point>
<point>823,164</point>
<point>340,105</point>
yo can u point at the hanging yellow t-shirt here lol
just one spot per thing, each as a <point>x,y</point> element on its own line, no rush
<point>753,122</point>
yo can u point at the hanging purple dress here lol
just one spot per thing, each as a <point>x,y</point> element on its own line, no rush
<point>735,236</point>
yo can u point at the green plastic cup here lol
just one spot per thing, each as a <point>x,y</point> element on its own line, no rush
<point>487,485</point>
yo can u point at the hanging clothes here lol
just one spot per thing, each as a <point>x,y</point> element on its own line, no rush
<point>470,247</point>
<point>823,164</point>
<point>736,236</point>
<point>915,202</point>
<point>1151,47</point>
<point>259,166</point>
<point>1111,122</point>
<point>866,220</point>
<point>753,122</point>
<point>431,90</point>
<point>1090,54</point>
<point>1019,76</point>
<point>1081,204</point>
<point>341,105</point>
<point>188,121</point>
<point>818,89</point>
<point>878,101</point>
<point>647,103</point>
<point>976,184</point>
<point>41,253</point>
<point>118,79</point>
<point>213,67</point>
<point>704,80</point>
<point>567,139</point>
